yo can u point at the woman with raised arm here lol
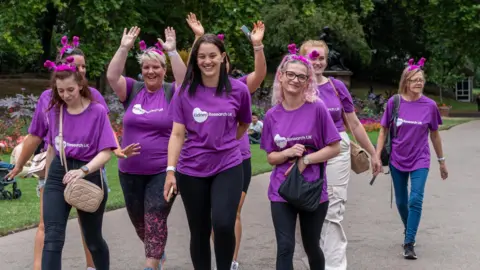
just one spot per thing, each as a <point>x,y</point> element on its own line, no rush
<point>253,80</point>
<point>83,148</point>
<point>215,110</point>
<point>147,124</point>
<point>339,102</point>
<point>32,142</point>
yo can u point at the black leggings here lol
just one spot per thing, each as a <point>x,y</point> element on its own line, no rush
<point>212,201</point>
<point>247,173</point>
<point>55,215</point>
<point>284,217</point>
<point>147,209</point>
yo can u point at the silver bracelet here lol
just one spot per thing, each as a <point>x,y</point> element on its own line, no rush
<point>172,53</point>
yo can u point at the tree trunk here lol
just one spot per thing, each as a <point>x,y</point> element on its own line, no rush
<point>441,95</point>
<point>47,24</point>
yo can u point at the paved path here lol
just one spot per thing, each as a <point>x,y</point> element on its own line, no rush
<point>446,238</point>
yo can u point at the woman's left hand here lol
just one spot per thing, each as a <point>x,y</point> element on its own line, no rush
<point>72,176</point>
<point>301,166</point>
<point>443,171</point>
<point>257,33</point>
<point>170,43</point>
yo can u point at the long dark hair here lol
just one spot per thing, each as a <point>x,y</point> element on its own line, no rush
<point>194,74</point>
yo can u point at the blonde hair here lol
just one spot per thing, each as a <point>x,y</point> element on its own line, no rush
<point>310,92</point>
<point>313,43</point>
<point>406,75</point>
<point>150,54</point>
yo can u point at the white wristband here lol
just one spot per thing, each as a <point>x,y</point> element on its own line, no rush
<point>172,53</point>
<point>171,168</point>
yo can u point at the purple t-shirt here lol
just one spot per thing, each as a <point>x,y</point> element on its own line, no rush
<point>244,141</point>
<point>410,149</point>
<point>85,134</point>
<point>332,101</point>
<point>39,120</point>
<point>283,129</point>
<point>211,122</point>
<point>147,122</point>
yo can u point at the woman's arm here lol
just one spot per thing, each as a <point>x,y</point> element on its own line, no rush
<point>196,27</point>
<point>241,129</point>
<point>437,144</point>
<point>48,159</point>
<point>175,144</point>
<point>255,79</point>
<point>324,154</point>
<point>381,140</point>
<point>99,160</point>
<point>179,68</point>
<point>116,66</point>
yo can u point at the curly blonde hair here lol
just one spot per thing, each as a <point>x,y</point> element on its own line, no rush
<point>151,54</point>
<point>310,91</point>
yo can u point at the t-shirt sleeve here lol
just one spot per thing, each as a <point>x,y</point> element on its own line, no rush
<point>243,79</point>
<point>345,97</point>
<point>266,141</point>
<point>97,96</point>
<point>328,130</point>
<point>436,118</point>
<point>244,114</point>
<point>107,137</point>
<point>175,109</point>
<point>39,125</point>
<point>385,122</point>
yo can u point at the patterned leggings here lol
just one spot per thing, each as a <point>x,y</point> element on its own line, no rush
<point>147,209</point>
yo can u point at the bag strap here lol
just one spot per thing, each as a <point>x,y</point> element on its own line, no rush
<point>168,90</point>
<point>345,120</point>
<point>137,86</point>
<point>396,107</point>
<point>63,157</point>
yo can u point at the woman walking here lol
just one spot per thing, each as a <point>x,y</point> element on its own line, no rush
<point>417,117</point>
<point>215,111</point>
<point>147,125</point>
<point>339,102</point>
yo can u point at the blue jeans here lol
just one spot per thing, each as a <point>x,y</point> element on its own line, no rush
<point>410,209</point>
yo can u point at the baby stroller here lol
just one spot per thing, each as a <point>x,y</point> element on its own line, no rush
<point>16,193</point>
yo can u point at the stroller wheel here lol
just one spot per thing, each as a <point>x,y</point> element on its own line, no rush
<point>17,193</point>
<point>7,195</point>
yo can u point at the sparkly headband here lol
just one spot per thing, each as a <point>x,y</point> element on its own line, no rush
<point>69,66</point>
<point>419,65</point>
<point>68,48</point>
<point>292,49</point>
<point>158,49</point>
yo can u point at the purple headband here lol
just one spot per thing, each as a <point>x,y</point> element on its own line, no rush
<point>221,37</point>
<point>292,49</point>
<point>313,55</point>
<point>158,49</point>
<point>419,65</point>
<point>68,48</point>
<point>69,66</point>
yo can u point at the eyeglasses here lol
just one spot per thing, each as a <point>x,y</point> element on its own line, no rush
<point>291,76</point>
<point>417,81</point>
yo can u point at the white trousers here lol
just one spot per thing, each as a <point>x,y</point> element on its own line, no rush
<point>333,240</point>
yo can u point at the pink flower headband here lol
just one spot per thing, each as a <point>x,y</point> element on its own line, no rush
<point>313,55</point>
<point>69,66</point>
<point>292,49</point>
<point>221,37</point>
<point>158,49</point>
<point>419,65</point>
<point>68,48</point>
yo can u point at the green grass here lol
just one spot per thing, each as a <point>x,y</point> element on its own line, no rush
<point>25,212</point>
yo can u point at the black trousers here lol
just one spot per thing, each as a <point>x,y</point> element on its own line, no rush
<point>55,215</point>
<point>212,202</point>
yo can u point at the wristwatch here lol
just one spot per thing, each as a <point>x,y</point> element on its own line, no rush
<point>306,161</point>
<point>84,169</point>
<point>171,168</point>
<point>441,159</point>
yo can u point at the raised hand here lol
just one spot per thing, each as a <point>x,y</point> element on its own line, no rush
<point>195,25</point>
<point>170,43</point>
<point>257,33</point>
<point>128,39</point>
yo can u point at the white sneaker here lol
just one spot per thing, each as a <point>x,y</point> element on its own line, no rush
<point>234,266</point>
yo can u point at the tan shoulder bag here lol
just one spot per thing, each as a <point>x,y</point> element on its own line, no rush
<point>81,194</point>
<point>358,156</point>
